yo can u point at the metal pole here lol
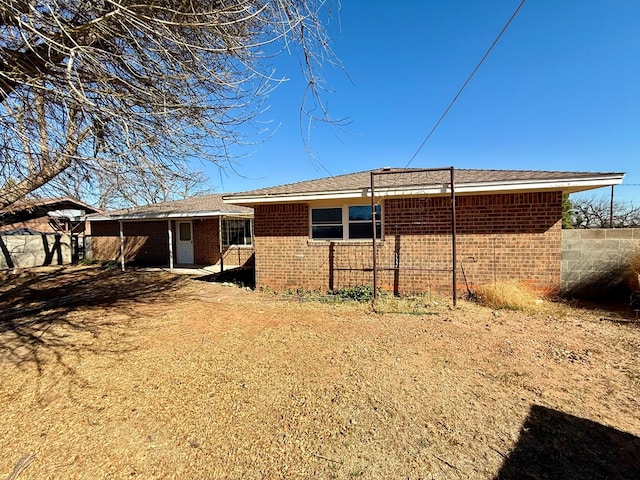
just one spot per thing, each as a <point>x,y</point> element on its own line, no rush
<point>331,265</point>
<point>220,244</point>
<point>121,246</point>
<point>170,232</point>
<point>611,209</point>
<point>374,254</point>
<point>453,234</point>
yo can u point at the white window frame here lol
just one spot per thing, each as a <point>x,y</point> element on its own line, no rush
<point>225,232</point>
<point>345,222</point>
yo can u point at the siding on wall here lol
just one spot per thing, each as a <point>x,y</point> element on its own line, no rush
<point>512,237</point>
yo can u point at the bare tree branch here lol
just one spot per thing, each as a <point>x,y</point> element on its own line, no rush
<point>595,212</point>
<point>133,90</point>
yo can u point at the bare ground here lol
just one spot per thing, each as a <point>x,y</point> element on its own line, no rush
<point>140,375</point>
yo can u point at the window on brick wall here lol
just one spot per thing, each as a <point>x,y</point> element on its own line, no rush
<point>236,231</point>
<point>349,222</point>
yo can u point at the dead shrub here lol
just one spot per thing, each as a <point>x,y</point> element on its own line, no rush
<point>510,296</point>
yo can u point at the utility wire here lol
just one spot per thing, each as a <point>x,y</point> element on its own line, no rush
<point>467,82</point>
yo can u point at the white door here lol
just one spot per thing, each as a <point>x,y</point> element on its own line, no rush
<point>185,243</point>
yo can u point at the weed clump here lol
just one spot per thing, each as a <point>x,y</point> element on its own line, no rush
<point>359,293</point>
<point>509,296</point>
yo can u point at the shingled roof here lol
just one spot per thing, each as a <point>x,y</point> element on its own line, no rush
<point>200,206</point>
<point>411,181</point>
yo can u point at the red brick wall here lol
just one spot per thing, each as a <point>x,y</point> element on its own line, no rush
<point>40,224</point>
<point>206,246</point>
<point>206,250</point>
<point>145,242</point>
<point>105,241</point>
<point>512,237</point>
<point>44,224</point>
<point>283,257</point>
<point>236,256</point>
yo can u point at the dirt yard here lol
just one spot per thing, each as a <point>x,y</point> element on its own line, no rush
<point>149,375</point>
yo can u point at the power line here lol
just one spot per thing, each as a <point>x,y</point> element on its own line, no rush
<point>467,82</point>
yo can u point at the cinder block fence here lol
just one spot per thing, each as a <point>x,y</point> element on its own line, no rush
<point>598,263</point>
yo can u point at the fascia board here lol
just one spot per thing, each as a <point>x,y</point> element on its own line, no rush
<point>170,215</point>
<point>574,185</point>
<point>296,197</point>
<point>97,218</point>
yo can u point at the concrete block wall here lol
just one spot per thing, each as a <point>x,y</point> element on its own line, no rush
<point>24,251</point>
<point>596,263</point>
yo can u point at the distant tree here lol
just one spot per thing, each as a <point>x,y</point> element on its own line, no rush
<point>132,90</point>
<point>595,212</point>
<point>567,212</point>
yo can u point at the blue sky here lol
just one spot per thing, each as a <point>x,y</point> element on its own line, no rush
<point>560,91</point>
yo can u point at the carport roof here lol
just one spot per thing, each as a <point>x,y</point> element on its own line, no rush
<point>193,207</point>
<point>57,203</point>
<point>418,181</point>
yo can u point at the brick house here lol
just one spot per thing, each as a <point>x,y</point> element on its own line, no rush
<point>318,234</point>
<point>199,230</point>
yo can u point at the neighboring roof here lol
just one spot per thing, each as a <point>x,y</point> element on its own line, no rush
<point>201,206</point>
<point>415,181</point>
<point>58,203</point>
<point>21,231</point>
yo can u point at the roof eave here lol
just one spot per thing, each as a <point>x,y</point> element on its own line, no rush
<point>565,185</point>
<point>168,215</point>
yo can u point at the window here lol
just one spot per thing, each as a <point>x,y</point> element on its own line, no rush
<point>326,223</point>
<point>184,231</point>
<point>349,222</point>
<point>236,232</point>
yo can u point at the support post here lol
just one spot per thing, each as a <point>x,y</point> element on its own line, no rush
<point>453,235</point>
<point>332,259</point>
<point>374,253</point>
<point>170,235</point>
<point>121,245</point>
<point>396,266</point>
<point>220,250</point>
<point>611,209</point>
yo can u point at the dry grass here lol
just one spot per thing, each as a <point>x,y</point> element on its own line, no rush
<point>107,376</point>
<point>511,296</point>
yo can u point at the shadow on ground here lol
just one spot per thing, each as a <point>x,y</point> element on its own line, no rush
<point>40,311</point>
<point>555,445</point>
<point>242,276</point>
